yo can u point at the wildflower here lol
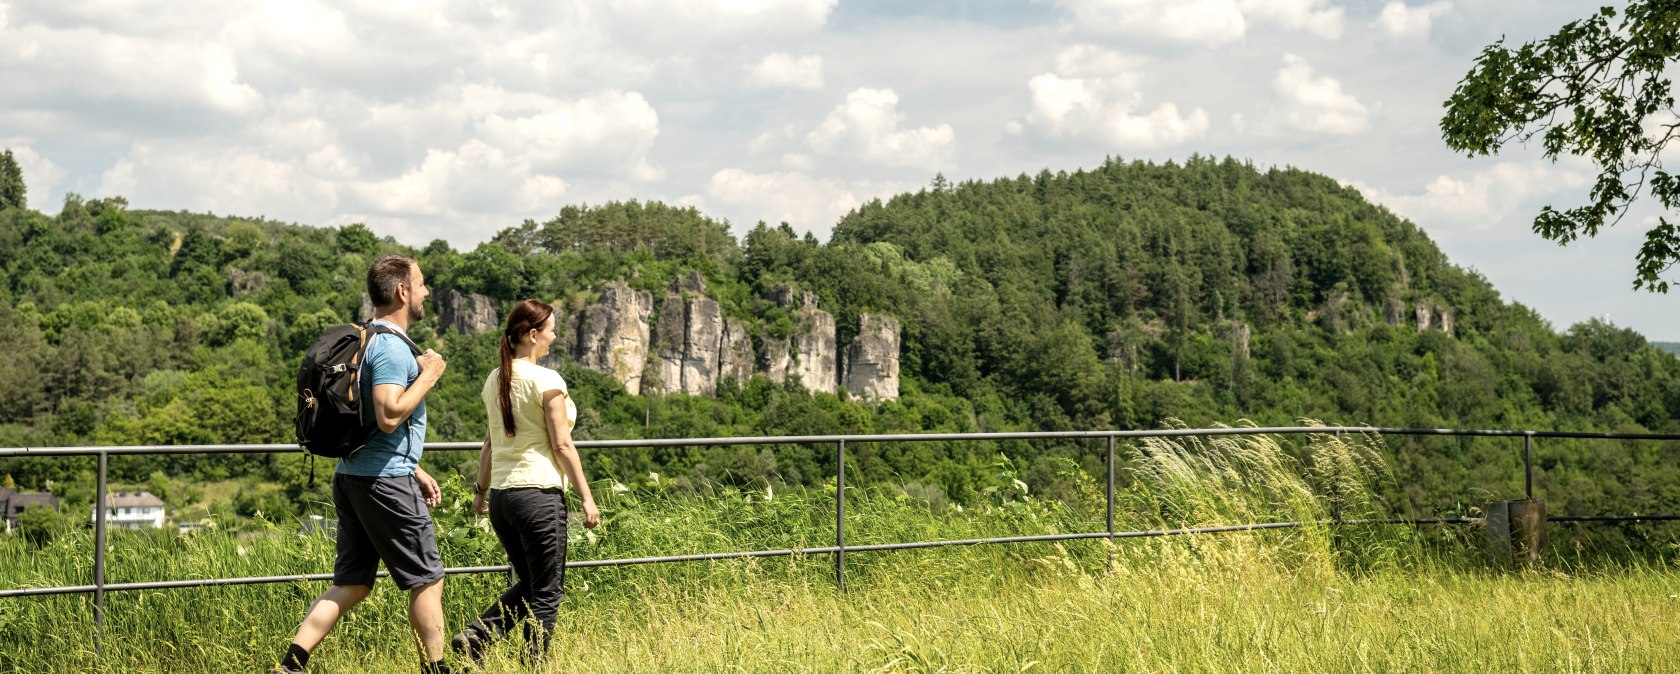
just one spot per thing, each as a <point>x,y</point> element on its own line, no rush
<point>654,477</point>
<point>769,492</point>
<point>619,487</point>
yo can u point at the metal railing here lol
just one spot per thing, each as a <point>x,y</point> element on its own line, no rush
<point>840,548</point>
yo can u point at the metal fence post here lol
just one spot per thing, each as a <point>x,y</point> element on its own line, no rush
<point>1111,504</point>
<point>1528,466</point>
<point>840,516</point>
<point>99,561</point>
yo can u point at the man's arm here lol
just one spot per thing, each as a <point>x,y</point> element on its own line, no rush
<point>392,403</point>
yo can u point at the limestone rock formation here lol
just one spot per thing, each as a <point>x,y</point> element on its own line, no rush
<point>774,358</point>
<point>366,310</point>
<point>1434,314</point>
<point>242,283</point>
<point>781,295</point>
<point>611,335</point>
<point>467,313</point>
<point>1240,334</point>
<point>735,354</point>
<point>872,359</point>
<point>688,339</point>
<point>815,355</point>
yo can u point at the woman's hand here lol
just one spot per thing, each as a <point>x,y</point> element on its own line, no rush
<point>481,503</point>
<point>591,514</point>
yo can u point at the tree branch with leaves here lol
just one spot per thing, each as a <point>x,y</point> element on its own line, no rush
<point>1597,89</point>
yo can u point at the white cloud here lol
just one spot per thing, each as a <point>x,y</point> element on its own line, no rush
<point>1401,21</point>
<point>807,204</point>
<point>1207,23</point>
<point>1095,96</point>
<point>1086,60</point>
<point>205,176</point>
<point>1316,104</point>
<point>655,23</point>
<point>785,70</point>
<point>476,177</point>
<point>40,175</point>
<point>1458,207</point>
<point>797,161</point>
<point>1314,16</point>
<point>46,65</point>
<point>867,125</point>
<point>612,130</point>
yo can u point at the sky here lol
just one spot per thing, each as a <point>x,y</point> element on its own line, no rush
<point>449,119</point>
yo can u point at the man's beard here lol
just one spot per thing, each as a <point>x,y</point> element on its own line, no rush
<point>416,312</point>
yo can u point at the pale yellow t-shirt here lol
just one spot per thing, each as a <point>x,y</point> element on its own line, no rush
<point>525,459</point>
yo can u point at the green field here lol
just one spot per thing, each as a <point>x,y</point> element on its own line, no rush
<point>1376,598</point>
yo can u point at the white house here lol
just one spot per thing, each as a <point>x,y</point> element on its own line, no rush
<point>132,510</point>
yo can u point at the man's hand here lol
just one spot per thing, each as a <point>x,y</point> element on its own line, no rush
<point>591,514</point>
<point>428,487</point>
<point>432,364</point>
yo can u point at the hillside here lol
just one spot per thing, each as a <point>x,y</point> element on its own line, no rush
<point>1121,296</point>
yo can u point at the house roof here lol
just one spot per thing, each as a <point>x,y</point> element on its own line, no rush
<point>21,501</point>
<point>13,502</point>
<point>133,499</point>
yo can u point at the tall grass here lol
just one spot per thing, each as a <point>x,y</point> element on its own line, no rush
<point>1313,598</point>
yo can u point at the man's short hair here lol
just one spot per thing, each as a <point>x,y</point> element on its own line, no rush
<point>385,275</point>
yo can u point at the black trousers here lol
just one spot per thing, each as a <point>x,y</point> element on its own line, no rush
<point>531,524</point>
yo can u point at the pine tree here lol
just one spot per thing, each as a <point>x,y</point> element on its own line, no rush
<point>13,193</point>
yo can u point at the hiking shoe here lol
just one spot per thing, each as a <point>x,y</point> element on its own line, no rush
<point>469,643</point>
<point>282,669</point>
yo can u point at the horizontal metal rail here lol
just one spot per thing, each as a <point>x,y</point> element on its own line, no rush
<point>91,450</point>
<point>719,556</point>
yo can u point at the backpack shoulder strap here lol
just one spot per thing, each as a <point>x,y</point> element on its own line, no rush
<point>387,330</point>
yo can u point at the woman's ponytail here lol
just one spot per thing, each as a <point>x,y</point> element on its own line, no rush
<point>526,316</point>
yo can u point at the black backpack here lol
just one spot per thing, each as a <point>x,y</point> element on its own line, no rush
<point>330,417</point>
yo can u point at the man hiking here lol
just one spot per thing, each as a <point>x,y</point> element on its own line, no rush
<point>380,492</point>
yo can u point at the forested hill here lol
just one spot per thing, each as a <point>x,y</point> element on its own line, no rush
<point>1207,291</point>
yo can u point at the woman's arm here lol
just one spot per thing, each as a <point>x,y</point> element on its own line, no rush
<point>566,455</point>
<point>481,484</point>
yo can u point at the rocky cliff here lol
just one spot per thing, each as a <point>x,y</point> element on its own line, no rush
<point>467,313</point>
<point>815,356</point>
<point>735,352</point>
<point>691,346</point>
<point>611,335</point>
<point>688,339</point>
<point>774,358</point>
<point>872,359</point>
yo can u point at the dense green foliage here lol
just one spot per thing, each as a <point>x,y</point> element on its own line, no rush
<point>1593,90</point>
<point>1112,298</point>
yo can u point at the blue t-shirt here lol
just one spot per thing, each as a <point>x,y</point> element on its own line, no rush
<point>397,453</point>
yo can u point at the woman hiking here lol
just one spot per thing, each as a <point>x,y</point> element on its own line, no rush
<point>527,464</point>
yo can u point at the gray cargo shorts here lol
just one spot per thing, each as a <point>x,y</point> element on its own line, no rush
<point>384,518</point>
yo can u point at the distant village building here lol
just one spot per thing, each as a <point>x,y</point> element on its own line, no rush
<point>13,503</point>
<point>133,510</point>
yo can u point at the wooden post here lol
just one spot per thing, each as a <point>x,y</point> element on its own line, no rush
<point>1516,531</point>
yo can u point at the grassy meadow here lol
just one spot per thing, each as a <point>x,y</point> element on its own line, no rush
<point>1314,599</point>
